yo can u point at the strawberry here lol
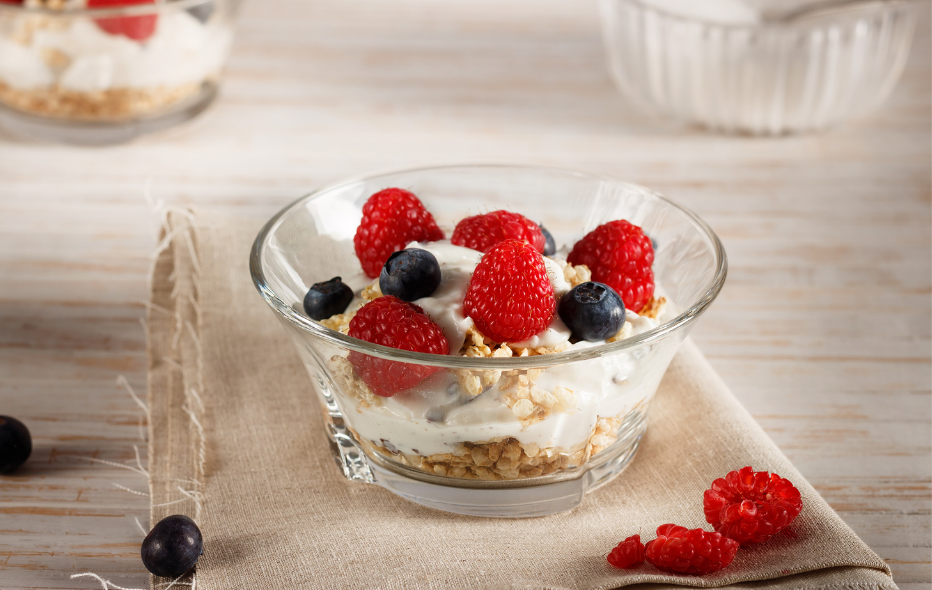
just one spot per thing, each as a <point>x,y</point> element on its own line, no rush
<point>510,297</point>
<point>481,232</point>
<point>392,322</point>
<point>391,219</point>
<point>137,28</point>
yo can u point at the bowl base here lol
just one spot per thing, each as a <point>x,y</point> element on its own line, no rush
<point>520,502</point>
<point>101,133</point>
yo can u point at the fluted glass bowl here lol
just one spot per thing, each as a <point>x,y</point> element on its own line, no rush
<point>107,74</point>
<point>763,78</point>
<point>477,454</point>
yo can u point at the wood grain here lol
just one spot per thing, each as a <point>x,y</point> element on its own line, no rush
<point>823,330</point>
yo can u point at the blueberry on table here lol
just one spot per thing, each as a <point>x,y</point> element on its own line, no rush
<point>172,546</point>
<point>550,246</point>
<point>15,444</point>
<point>410,274</point>
<point>592,311</point>
<point>327,299</point>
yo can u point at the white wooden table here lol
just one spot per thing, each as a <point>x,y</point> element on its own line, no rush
<point>822,330</point>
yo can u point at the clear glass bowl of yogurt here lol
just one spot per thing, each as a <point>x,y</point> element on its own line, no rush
<point>762,67</point>
<point>510,435</point>
<point>106,71</point>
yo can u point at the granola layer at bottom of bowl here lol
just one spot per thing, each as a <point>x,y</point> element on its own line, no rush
<point>507,458</point>
<point>115,104</point>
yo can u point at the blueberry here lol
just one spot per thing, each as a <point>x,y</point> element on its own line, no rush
<point>410,274</point>
<point>327,299</point>
<point>172,546</point>
<point>592,311</point>
<point>653,243</point>
<point>202,12</point>
<point>550,246</point>
<point>15,444</point>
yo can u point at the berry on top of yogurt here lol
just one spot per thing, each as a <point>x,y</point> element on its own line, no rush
<point>592,311</point>
<point>481,232</point>
<point>510,296</point>
<point>137,28</point>
<point>620,255</point>
<point>327,298</point>
<point>410,274</point>
<point>388,321</point>
<point>391,219</point>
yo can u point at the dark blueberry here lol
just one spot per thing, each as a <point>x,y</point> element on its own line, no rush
<point>653,243</point>
<point>550,246</point>
<point>202,12</point>
<point>410,274</point>
<point>15,444</point>
<point>592,311</point>
<point>172,546</point>
<point>327,299</point>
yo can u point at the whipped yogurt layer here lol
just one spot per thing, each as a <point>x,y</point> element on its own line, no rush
<point>77,54</point>
<point>436,417</point>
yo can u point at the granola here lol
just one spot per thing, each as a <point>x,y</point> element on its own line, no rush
<point>506,458</point>
<point>106,105</point>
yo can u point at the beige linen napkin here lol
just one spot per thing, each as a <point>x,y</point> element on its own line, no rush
<point>238,443</point>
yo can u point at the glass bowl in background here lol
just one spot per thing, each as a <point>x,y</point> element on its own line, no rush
<point>764,78</point>
<point>106,75</point>
<point>437,446</point>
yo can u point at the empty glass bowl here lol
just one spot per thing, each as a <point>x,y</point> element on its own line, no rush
<point>757,76</point>
<point>538,431</point>
<point>109,73</point>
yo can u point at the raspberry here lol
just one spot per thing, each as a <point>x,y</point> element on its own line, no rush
<point>693,552</point>
<point>481,232</point>
<point>392,322</point>
<point>620,255</point>
<point>391,219</point>
<point>628,553</point>
<point>509,295</point>
<point>137,28</point>
<point>751,507</point>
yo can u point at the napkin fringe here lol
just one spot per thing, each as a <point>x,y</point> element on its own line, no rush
<point>175,261</point>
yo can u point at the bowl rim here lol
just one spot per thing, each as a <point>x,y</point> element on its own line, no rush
<point>305,324</point>
<point>807,22</point>
<point>157,7</point>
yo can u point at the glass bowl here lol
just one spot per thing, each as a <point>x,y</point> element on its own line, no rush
<point>106,75</point>
<point>765,77</point>
<point>437,446</point>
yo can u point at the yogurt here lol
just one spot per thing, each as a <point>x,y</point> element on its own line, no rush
<point>436,418</point>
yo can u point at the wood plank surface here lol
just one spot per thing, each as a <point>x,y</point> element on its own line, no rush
<point>823,330</point>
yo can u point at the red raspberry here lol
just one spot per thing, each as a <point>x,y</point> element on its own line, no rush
<point>509,295</point>
<point>481,232</point>
<point>137,28</point>
<point>628,553</point>
<point>392,322</point>
<point>695,552</point>
<point>751,507</point>
<point>620,255</point>
<point>391,219</point>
